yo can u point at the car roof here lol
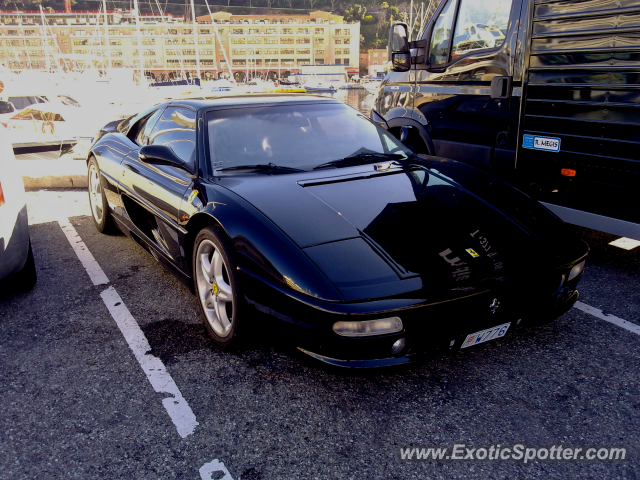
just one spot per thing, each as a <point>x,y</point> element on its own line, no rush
<point>206,101</point>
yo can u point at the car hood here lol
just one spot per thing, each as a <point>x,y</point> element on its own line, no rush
<point>422,227</point>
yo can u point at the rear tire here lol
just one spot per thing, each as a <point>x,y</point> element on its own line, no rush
<point>217,286</point>
<point>98,200</point>
<point>26,278</point>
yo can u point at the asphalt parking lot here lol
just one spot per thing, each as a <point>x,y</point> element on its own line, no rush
<point>84,397</point>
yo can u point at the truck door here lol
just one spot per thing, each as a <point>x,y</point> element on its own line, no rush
<point>466,93</point>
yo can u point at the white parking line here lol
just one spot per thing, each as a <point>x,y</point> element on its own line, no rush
<point>84,255</point>
<point>215,466</point>
<point>632,327</point>
<point>176,406</point>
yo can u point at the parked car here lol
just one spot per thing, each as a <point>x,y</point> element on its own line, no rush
<point>301,208</point>
<point>16,255</point>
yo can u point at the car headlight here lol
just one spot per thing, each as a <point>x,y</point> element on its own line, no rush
<point>367,328</point>
<point>576,270</point>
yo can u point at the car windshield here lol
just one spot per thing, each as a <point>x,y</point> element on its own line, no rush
<point>298,136</point>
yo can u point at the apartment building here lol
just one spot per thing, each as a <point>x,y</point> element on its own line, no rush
<point>377,61</point>
<point>170,47</point>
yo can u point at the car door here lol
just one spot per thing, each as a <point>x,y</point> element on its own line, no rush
<point>153,193</point>
<point>465,90</point>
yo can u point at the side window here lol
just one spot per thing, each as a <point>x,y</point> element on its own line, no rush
<point>480,24</point>
<point>146,125</point>
<point>176,129</point>
<point>439,46</point>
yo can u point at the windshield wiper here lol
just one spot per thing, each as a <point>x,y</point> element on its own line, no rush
<point>361,158</point>
<point>261,166</point>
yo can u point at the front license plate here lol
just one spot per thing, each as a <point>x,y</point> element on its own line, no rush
<point>485,335</point>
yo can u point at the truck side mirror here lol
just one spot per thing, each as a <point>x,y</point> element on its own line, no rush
<point>398,47</point>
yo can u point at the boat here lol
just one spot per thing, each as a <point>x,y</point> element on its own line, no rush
<point>319,87</point>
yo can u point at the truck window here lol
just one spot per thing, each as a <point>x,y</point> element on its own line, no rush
<point>439,46</point>
<point>481,24</point>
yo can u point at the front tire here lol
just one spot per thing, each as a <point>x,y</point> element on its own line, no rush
<point>98,200</point>
<point>26,278</point>
<point>215,277</point>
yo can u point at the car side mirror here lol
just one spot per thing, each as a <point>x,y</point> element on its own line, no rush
<point>161,155</point>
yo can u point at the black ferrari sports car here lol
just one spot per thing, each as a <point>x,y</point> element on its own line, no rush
<point>301,208</point>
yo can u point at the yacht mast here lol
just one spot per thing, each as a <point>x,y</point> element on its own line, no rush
<point>106,31</point>
<point>139,37</point>
<point>195,37</point>
<point>224,51</point>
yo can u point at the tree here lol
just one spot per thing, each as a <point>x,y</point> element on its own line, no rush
<point>355,14</point>
<point>334,4</point>
<point>312,3</point>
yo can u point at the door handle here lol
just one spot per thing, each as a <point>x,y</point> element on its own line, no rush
<point>501,87</point>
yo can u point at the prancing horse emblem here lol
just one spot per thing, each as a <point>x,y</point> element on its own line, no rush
<point>494,305</point>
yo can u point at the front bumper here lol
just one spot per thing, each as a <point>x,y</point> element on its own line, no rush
<point>429,328</point>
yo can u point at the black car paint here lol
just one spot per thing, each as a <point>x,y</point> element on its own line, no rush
<point>291,230</point>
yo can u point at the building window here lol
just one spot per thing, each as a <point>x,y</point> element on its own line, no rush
<point>238,63</point>
<point>337,61</point>
<point>319,31</point>
<point>188,41</point>
<point>206,52</point>
<point>319,41</point>
<point>338,31</point>
<point>287,31</point>
<point>345,61</point>
<point>347,31</point>
<point>238,51</point>
<point>254,30</point>
<point>63,32</point>
<point>271,31</point>
<point>115,42</point>
<point>270,41</point>
<point>254,40</point>
<point>338,41</point>
<point>188,52</point>
<point>303,51</point>
<point>238,41</point>
<point>238,31</point>
<point>205,31</point>
<point>319,61</point>
<point>205,41</point>
<point>112,31</point>
<point>319,51</point>
<point>338,51</point>
<point>304,31</point>
<point>347,41</point>
<point>345,51</point>
<point>187,31</point>
<point>303,40</point>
